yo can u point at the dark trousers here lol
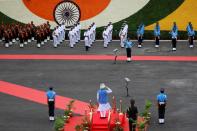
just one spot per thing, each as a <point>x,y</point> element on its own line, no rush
<point>157,40</point>
<point>140,40</point>
<point>128,50</point>
<point>191,40</point>
<point>87,48</point>
<point>173,43</point>
<point>132,126</point>
<point>161,111</point>
<point>51,105</point>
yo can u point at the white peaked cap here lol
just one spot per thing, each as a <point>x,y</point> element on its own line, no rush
<point>102,86</point>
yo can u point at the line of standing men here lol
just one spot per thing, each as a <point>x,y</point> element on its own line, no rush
<point>123,33</point>
<point>157,33</point>
<point>174,35</point>
<point>107,34</point>
<point>59,35</point>
<point>23,34</point>
<point>74,35</point>
<point>90,36</point>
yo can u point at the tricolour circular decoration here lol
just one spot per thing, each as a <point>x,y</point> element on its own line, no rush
<point>67,12</point>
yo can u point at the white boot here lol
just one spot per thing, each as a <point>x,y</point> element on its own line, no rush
<point>55,45</point>
<point>191,46</point>
<point>38,45</point>
<point>52,118</point>
<point>139,46</point>
<point>160,121</point>
<point>7,45</point>
<point>128,59</point>
<point>156,46</point>
<point>21,45</point>
<point>173,49</point>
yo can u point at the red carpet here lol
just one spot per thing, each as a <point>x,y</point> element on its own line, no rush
<point>98,124</point>
<point>96,57</point>
<point>40,96</point>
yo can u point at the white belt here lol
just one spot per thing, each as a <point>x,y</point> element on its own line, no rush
<point>161,103</point>
<point>51,100</point>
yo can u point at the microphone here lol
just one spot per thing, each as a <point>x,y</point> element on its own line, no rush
<point>127,80</point>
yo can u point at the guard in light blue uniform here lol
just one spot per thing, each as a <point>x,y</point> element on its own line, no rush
<point>140,34</point>
<point>157,34</point>
<point>162,101</point>
<point>51,103</point>
<point>174,34</point>
<point>128,45</point>
<point>191,34</point>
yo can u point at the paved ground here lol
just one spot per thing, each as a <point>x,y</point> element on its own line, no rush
<point>80,80</point>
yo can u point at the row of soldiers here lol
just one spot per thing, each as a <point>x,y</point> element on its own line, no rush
<point>58,35</point>
<point>24,33</point>
<point>90,36</point>
<point>174,34</point>
<point>74,35</point>
<point>107,34</point>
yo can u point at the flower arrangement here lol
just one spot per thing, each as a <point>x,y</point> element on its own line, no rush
<point>141,126</point>
<point>92,107</point>
<point>146,113</point>
<point>68,111</point>
<point>118,126</point>
<point>59,123</point>
<point>84,126</point>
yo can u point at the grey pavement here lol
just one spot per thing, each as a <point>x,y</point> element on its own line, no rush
<point>80,80</point>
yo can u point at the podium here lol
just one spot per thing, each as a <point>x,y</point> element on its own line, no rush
<point>108,123</point>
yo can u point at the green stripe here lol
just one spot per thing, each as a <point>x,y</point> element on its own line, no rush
<point>154,11</point>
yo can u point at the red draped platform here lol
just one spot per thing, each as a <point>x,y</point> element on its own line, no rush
<point>99,124</point>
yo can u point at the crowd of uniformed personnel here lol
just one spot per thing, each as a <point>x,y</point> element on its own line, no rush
<point>24,33</point>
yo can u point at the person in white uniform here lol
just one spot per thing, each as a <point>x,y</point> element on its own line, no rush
<point>94,32</point>
<point>78,31</point>
<point>86,40</point>
<point>105,38</point>
<point>55,38</point>
<point>71,38</point>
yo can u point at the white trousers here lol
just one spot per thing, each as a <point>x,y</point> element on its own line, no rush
<point>122,41</point>
<point>105,41</point>
<point>55,41</point>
